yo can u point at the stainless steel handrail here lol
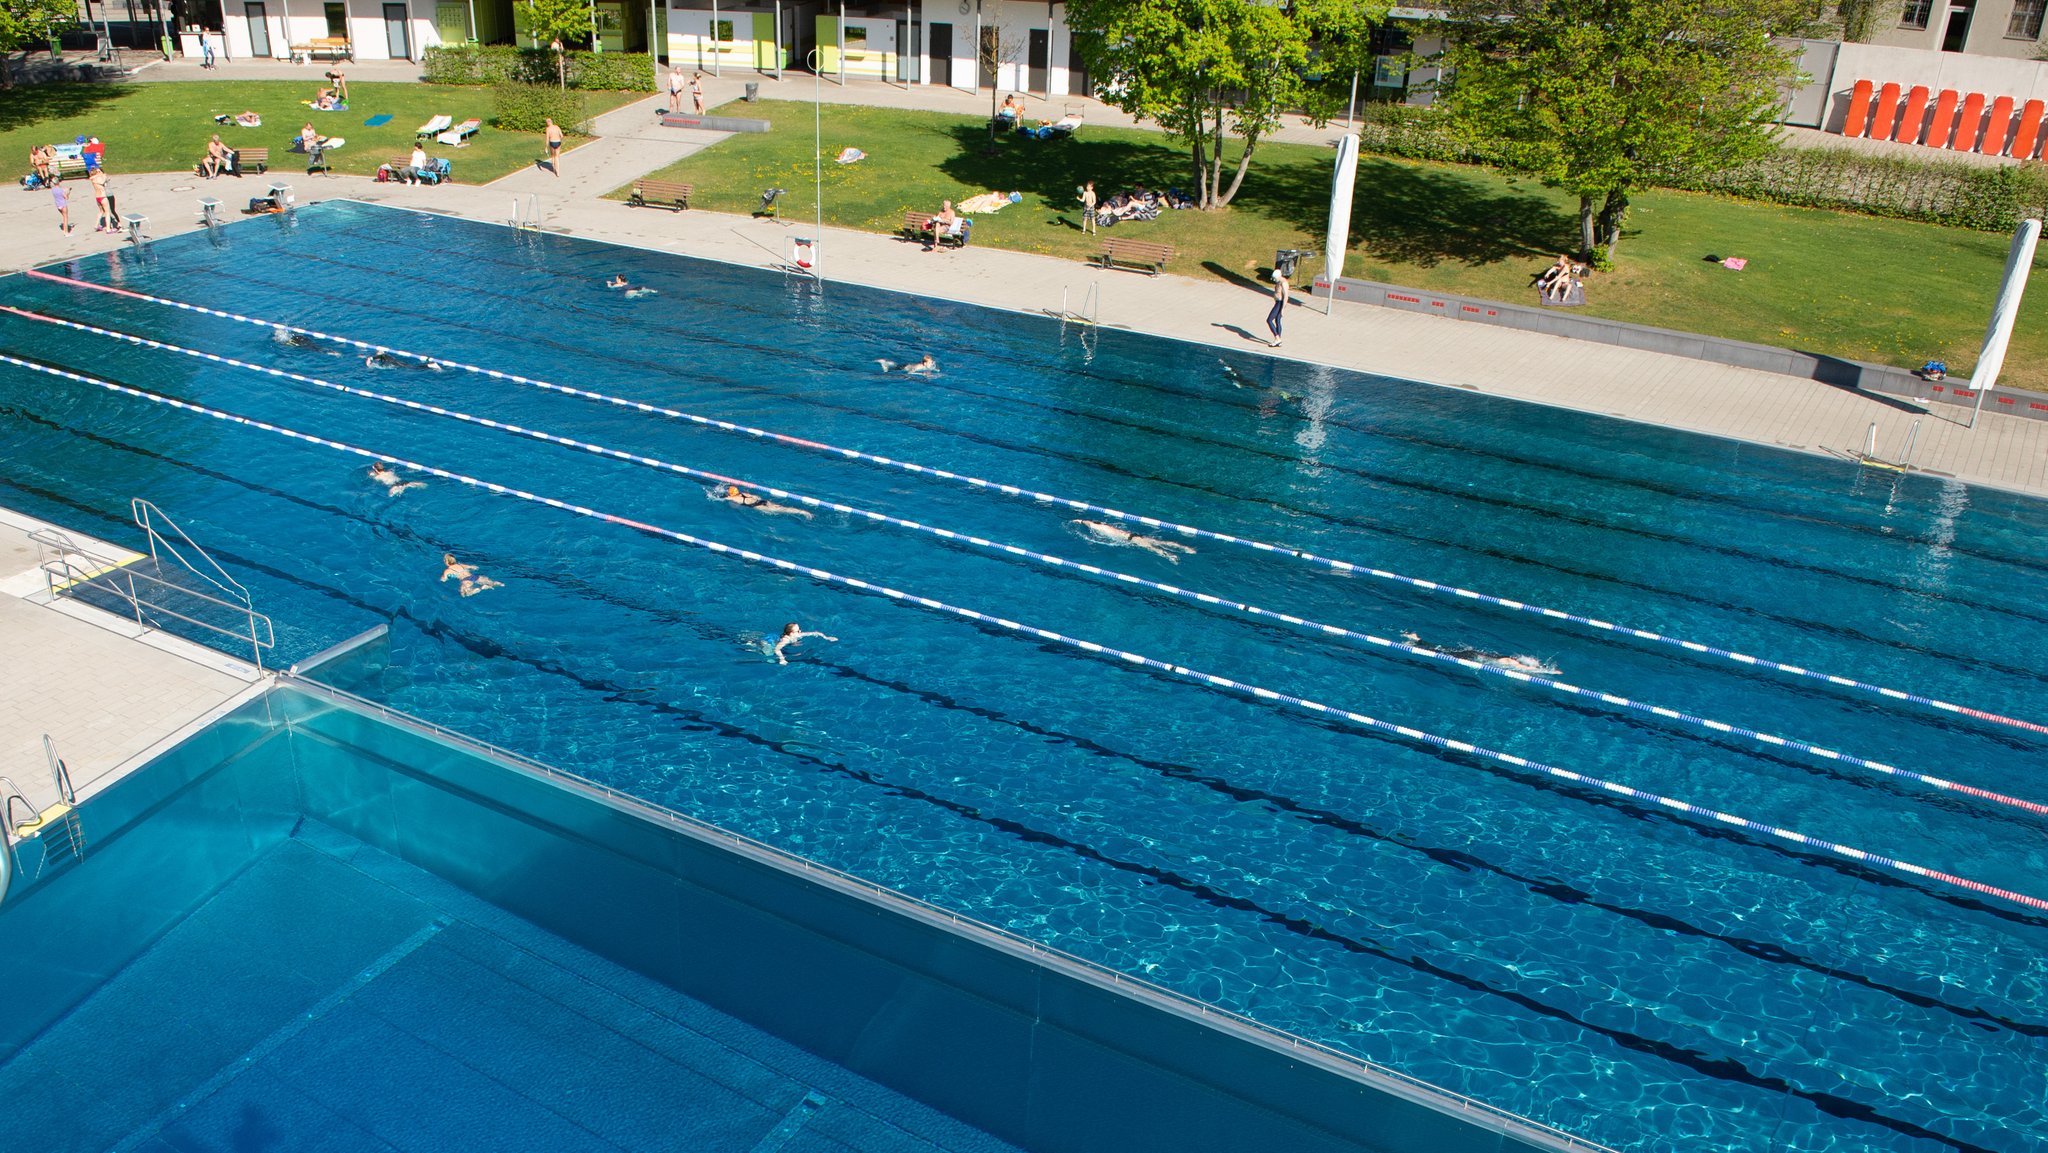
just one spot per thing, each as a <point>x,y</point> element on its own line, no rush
<point>59,772</point>
<point>1447,1099</point>
<point>146,517</point>
<point>74,566</point>
<point>12,793</point>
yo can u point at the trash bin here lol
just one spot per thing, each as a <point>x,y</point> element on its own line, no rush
<point>753,90</point>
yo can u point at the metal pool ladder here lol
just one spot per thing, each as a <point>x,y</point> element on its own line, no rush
<point>57,826</point>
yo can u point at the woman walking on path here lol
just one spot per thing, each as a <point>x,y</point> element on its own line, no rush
<point>110,218</point>
<point>1279,306</point>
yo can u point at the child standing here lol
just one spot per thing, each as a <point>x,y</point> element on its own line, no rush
<point>1088,203</point>
<point>62,196</point>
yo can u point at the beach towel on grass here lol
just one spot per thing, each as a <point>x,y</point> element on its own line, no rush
<point>380,118</point>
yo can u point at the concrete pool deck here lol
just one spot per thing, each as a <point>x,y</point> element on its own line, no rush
<point>109,694</point>
<point>1654,388</point>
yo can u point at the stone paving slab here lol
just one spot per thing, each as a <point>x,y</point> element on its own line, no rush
<point>80,676</point>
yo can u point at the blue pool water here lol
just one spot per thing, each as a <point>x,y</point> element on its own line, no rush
<point>1593,963</point>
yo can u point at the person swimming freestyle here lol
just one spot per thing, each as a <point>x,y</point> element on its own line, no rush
<point>1114,534</point>
<point>393,483</point>
<point>733,494</point>
<point>1511,663</point>
<point>793,634</point>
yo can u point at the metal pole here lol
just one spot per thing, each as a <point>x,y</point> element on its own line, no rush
<point>654,49</point>
<point>472,21</point>
<point>842,43</point>
<point>778,40</point>
<point>716,44</point>
<point>1351,109</point>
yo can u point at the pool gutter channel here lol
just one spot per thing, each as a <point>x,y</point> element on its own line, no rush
<point>1237,1026</point>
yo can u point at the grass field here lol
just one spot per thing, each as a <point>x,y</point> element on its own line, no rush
<point>1844,285</point>
<point>165,127</point>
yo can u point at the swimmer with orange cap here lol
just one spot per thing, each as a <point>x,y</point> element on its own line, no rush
<point>733,495</point>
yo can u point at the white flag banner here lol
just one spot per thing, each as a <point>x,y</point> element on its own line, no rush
<point>1340,209</point>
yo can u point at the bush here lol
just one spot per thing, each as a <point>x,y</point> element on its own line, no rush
<point>490,65</point>
<point>521,107</point>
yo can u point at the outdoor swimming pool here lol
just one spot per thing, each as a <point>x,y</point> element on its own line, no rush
<point>1628,974</point>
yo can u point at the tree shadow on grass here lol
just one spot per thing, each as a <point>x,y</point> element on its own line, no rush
<point>1403,213</point>
<point>27,105</point>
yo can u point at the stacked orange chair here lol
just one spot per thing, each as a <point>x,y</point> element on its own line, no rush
<point>1859,109</point>
<point>1912,114</point>
<point>2030,130</point>
<point>1944,122</point>
<point>1969,124</point>
<point>1881,115</point>
<point>1999,128</point>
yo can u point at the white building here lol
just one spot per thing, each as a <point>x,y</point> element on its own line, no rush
<point>372,29</point>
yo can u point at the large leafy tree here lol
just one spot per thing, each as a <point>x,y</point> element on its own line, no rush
<point>1594,96</point>
<point>1210,70</point>
<point>556,22</point>
<point>27,21</point>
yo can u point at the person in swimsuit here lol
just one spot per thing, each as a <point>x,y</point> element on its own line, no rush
<point>733,494</point>
<point>1520,664</point>
<point>1115,534</point>
<point>793,634</point>
<point>473,582</point>
<point>617,282</point>
<point>381,473</point>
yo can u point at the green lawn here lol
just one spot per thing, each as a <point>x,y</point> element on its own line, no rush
<point>1827,282</point>
<point>165,127</point>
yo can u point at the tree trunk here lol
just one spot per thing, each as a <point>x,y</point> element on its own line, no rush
<point>1215,184</point>
<point>562,67</point>
<point>1611,214</point>
<point>1201,169</point>
<point>1586,240</point>
<point>1244,164</point>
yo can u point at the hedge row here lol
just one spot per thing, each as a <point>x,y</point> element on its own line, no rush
<point>1951,192</point>
<point>524,107</point>
<point>484,65</point>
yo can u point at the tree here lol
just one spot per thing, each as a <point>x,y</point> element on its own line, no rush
<point>557,21</point>
<point>1207,70</point>
<point>26,22</point>
<point>1000,45</point>
<point>1594,96</point>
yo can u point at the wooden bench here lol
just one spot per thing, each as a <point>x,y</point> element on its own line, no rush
<point>647,193</point>
<point>256,158</point>
<point>401,169</point>
<point>65,166</point>
<point>336,47</point>
<point>1144,254</point>
<point>917,226</point>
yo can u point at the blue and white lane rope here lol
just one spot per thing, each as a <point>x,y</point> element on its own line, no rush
<point>1412,735</point>
<point>1483,667</point>
<point>1083,506</point>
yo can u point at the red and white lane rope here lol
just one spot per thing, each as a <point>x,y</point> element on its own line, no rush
<point>1414,650</point>
<point>1115,514</point>
<point>1317,708</point>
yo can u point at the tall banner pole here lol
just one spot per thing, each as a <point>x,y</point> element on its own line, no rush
<point>1341,185</point>
<point>2018,263</point>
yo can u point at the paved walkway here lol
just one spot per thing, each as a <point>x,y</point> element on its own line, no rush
<point>2003,451</point>
<point>80,676</point>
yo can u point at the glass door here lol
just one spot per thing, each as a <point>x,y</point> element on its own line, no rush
<point>396,36</point>
<point>259,30</point>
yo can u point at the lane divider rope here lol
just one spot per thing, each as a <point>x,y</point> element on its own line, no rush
<point>1478,666</point>
<point>1404,732</point>
<point>1694,647</point>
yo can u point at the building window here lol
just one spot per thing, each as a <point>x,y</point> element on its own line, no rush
<point>721,31</point>
<point>337,21</point>
<point>1916,13</point>
<point>2026,19</point>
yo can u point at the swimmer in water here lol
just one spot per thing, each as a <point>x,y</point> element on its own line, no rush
<point>290,339</point>
<point>616,282</point>
<point>1520,664</point>
<point>392,482</point>
<point>1113,534</point>
<point>925,367</point>
<point>470,588</point>
<point>638,291</point>
<point>734,495</point>
<point>793,634</point>
<point>455,570</point>
<point>386,360</point>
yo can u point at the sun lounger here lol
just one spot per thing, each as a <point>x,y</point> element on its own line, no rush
<point>458,136</point>
<point>434,127</point>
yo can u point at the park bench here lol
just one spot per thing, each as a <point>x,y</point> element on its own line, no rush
<point>248,158</point>
<point>65,166</point>
<point>647,193</point>
<point>438,170</point>
<point>1144,254</point>
<point>334,47</point>
<point>917,226</point>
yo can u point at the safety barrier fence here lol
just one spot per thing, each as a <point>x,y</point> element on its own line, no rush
<point>1414,650</point>
<point>1646,635</point>
<point>1255,692</point>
